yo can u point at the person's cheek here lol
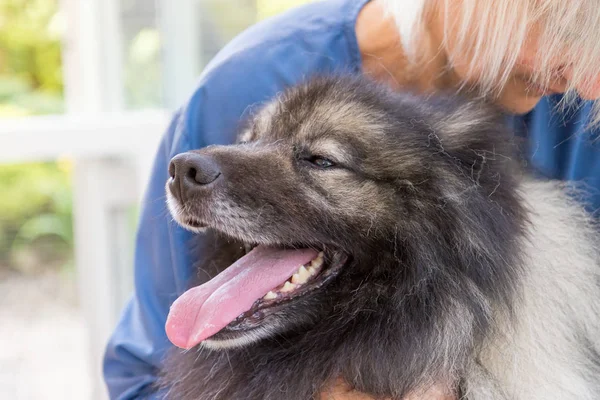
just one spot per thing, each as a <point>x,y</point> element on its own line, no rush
<point>590,91</point>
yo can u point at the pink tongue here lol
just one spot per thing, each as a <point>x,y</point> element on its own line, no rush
<point>206,309</point>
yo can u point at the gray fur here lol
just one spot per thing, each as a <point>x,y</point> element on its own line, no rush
<point>464,271</point>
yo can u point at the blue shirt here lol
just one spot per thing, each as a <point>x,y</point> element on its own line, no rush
<point>316,38</point>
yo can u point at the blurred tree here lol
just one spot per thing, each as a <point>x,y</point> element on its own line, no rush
<point>30,58</point>
<point>35,206</point>
<point>142,70</point>
<point>35,215</point>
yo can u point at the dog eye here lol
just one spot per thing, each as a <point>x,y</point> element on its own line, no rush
<point>320,162</point>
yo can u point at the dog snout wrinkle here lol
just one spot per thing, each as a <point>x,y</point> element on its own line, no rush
<point>190,171</point>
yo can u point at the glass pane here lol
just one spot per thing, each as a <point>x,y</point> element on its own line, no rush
<point>222,20</point>
<point>141,54</point>
<point>219,21</point>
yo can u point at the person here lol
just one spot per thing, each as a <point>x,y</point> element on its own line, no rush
<point>537,59</point>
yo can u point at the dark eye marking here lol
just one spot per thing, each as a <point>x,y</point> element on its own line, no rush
<point>320,162</point>
<point>305,157</point>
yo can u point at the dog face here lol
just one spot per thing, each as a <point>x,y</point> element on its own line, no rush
<point>290,188</point>
<point>388,189</point>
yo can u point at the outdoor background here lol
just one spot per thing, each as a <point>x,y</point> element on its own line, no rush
<point>86,87</point>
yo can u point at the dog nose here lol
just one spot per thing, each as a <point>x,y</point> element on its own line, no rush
<point>189,171</point>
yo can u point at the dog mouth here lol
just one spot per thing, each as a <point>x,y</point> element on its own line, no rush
<point>308,278</point>
<point>265,281</point>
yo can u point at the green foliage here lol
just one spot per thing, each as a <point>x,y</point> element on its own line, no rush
<point>30,43</point>
<point>35,206</point>
<point>142,70</point>
<point>29,189</point>
<point>30,58</point>
<point>35,212</point>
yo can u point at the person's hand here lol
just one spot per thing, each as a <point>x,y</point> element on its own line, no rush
<point>341,391</point>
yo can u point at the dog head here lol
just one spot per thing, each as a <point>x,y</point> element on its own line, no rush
<point>347,192</point>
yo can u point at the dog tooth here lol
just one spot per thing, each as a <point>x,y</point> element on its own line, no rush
<point>270,295</point>
<point>303,273</point>
<point>301,276</point>
<point>288,287</point>
<point>318,261</point>
<point>296,278</point>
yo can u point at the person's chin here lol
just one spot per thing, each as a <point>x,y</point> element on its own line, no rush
<point>521,104</point>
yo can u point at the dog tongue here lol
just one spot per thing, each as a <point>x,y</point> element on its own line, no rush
<point>206,309</point>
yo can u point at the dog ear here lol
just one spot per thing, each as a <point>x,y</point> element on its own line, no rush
<point>464,121</point>
<point>458,122</point>
<point>473,130</point>
<point>259,120</point>
<point>474,136</point>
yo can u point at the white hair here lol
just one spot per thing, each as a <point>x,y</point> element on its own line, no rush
<point>494,31</point>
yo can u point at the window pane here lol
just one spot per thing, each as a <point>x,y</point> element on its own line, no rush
<point>142,54</point>
<point>218,21</point>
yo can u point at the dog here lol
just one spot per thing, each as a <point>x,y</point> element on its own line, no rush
<point>393,240</point>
